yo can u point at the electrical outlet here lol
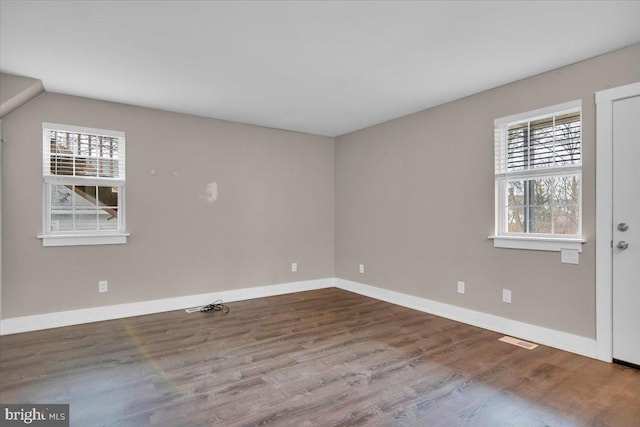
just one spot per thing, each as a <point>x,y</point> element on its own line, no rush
<point>460,287</point>
<point>506,295</point>
<point>103,286</point>
<point>361,268</point>
<point>294,266</point>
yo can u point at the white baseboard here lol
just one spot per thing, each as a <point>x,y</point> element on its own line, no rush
<point>549,337</point>
<point>95,314</point>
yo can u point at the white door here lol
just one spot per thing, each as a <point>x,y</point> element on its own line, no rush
<point>626,230</point>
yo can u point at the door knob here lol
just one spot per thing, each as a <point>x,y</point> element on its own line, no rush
<point>622,245</point>
<point>623,226</point>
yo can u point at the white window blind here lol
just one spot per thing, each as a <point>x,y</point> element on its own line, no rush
<point>552,143</point>
<point>83,153</point>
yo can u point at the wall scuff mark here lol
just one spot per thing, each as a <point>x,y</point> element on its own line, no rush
<point>211,193</point>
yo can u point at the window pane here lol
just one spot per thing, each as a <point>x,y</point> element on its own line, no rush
<point>61,196</point>
<point>85,195</point>
<point>515,219</point>
<point>61,220</point>
<point>568,140</point>
<point>542,142</point>
<point>517,147</point>
<point>84,145</point>
<point>540,219</point>
<point>566,190</point>
<point>94,142</point>
<point>515,193</point>
<point>86,167</point>
<point>108,168</point>
<point>566,219</point>
<point>61,164</point>
<point>86,219</point>
<point>108,219</point>
<point>551,141</point>
<point>78,203</point>
<point>531,203</point>
<point>541,191</point>
<point>108,196</point>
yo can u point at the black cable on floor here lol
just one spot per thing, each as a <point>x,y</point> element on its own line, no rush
<point>216,306</point>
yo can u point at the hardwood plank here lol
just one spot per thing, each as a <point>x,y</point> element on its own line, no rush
<point>325,357</point>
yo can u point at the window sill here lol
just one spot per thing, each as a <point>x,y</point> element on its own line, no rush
<point>554,244</point>
<point>83,239</point>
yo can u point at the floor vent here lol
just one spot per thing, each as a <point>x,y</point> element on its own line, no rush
<point>519,343</point>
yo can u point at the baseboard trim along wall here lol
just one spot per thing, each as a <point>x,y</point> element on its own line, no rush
<point>545,336</point>
<point>550,337</point>
<point>118,311</point>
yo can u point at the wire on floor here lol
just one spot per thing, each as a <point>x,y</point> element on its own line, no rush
<point>215,306</point>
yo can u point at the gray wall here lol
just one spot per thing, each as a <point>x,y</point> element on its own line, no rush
<point>415,203</point>
<point>275,206</point>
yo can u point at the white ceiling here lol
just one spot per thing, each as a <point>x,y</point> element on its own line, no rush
<point>326,68</point>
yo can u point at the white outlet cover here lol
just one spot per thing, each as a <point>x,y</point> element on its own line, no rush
<point>506,295</point>
<point>103,286</point>
<point>461,287</point>
<point>294,266</point>
<point>361,268</point>
<point>569,256</point>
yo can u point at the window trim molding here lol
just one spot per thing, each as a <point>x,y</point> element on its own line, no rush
<point>538,113</point>
<point>538,243</point>
<point>542,242</point>
<point>91,237</point>
<point>83,239</point>
<point>83,129</point>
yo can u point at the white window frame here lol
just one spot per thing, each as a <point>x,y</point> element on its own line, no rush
<point>93,237</point>
<point>534,241</point>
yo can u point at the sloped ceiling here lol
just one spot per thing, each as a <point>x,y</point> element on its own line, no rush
<point>16,90</point>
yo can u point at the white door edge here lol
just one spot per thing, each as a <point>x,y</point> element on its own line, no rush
<point>1,143</point>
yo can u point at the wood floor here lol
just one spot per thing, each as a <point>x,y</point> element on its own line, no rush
<point>326,357</point>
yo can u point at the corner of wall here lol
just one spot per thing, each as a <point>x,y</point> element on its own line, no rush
<point>16,91</point>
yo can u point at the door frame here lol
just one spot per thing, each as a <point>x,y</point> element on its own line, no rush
<point>604,215</point>
<point>1,144</point>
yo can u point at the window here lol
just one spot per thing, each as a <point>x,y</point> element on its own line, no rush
<point>538,179</point>
<point>84,186</point>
